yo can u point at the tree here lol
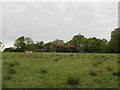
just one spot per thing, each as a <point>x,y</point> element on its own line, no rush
<point>63,49</point>
<point>20,43</point>
<point>29,44</point>
<point>78,41</point>
<point>114,43</point>
<point>39,45</point>
<point>9,49</point>
<point>29,40</point>
<point>94,45</point>
<point>103,45</point>
<point>57,41</point>
<point>47,46</point>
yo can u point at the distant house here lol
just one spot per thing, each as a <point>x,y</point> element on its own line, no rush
<point>28,51</point>
<point>40,50</point>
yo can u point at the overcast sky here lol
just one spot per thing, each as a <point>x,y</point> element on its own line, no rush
<point>48,21</point>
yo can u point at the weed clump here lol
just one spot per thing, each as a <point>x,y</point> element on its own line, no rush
<point>73,80</point>
<point>109,68</point>
<point>71,55</point>
<point>43,71</point>
<point>116,73</point>
<point>12,64</point>
<point>118,61</point>
<point>4,57</point>
<point>56,60</point>
<point>11,71</point>
<point>93,73</point>
<point>95,65</point>
<point>7,77</point>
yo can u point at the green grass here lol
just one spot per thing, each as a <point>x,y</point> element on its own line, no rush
<point>60,70</point>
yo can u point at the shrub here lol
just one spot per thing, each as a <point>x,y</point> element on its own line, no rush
<point>109,68</point>
<point>56,60</point>
<point>4,57</point>
<point>95,65</point>
<point>7,77</point>
<point>118,61</point>
<point>93,73</point>
<point>12,64</point>
<point>71,55</point>
<point>11,70</point>
<point>116,73</point>
<point>99,62</point>
<point>73,80</point>
<point>43,71</point>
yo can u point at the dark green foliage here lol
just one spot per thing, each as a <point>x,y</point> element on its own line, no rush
<point>81,43</point>
<point>93,73</point>
<point>11,70</point>
<point>71,55</point>
<point>114,43</point>
<point>20,43</point>
<point>9,49</point>
<point>94,45</point>
<point>116,73</point>
<point>7,77</point>
<point>95,64</point>
<point>43,71</point>
<point>109,68</point>
<point>12,64</point>
<point>78,41</point>
<point>73,80</point>
<point>119,61</point>
<point>63,49</point>
<point>39,45</point>
<point>57,41</point>
<point>48,46</point>
<point>56,60</point>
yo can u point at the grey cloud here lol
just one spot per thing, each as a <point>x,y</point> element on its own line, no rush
<point>50,20</point>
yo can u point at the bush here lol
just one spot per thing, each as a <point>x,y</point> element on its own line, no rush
<point>71,55</point>
<point>11,70</point>
<point>117,73</point>
<point>93,73</point>
<point>56,60</point>
<point>95,64</point>
<point>43,71</point>
<point>12,64</point>
<point>7,77</point>
<point>118,61</point>
<point>109,68</point>
<point>73,80</point>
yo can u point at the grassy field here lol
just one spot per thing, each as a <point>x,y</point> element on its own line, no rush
<point>60,70</point>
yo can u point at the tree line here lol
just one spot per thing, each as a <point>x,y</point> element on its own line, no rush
<point>81,43</point>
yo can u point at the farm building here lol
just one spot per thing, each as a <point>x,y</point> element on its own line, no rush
<point>28,51</point>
